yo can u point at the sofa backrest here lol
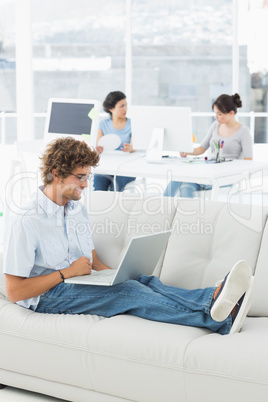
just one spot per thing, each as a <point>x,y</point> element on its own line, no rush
<point>117,217</point>
<point>207,239</point>
<point>259,307</point>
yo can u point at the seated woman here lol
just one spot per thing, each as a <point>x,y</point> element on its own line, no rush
<point>116,105</point>
<point>234,137</point>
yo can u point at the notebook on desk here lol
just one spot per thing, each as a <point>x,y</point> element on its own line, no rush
<point>140,258</point>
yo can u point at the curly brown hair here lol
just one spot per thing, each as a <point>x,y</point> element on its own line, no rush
<point>65,155</point>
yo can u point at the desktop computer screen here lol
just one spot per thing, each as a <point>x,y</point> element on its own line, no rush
<point>176,122</point>
<point>77,118</point>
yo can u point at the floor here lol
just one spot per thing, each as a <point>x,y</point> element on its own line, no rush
<point>9,394</point>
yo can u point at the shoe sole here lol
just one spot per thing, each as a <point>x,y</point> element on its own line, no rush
<point>237,283</point>
<point>245,306</point>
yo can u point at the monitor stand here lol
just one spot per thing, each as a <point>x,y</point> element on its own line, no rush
<point>154,150</point>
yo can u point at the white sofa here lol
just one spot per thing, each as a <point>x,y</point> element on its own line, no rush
<point>124,358</point>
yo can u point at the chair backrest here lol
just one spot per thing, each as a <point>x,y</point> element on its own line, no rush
<point>260,152</point>
<point>29,162</point>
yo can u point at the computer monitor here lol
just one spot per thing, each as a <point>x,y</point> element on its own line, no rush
<point>176,122</point>
<point>77,118</point>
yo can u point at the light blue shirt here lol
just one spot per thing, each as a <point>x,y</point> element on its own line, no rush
<point>45,238</point>
<point>106,126</point>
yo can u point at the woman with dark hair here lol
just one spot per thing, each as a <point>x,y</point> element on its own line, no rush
<point>116,105</point>
<point>235,140</point>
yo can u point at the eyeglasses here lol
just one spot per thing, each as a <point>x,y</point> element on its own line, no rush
<point>83,177</point>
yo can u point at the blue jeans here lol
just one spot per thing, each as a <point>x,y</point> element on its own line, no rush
<point>146,297</point>
<point>106,182</point>
<point>186,189</point>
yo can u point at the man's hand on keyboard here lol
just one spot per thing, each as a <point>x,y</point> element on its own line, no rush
<point>82,266</point>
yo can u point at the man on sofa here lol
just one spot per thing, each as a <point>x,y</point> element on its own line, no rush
<point>46,245</point>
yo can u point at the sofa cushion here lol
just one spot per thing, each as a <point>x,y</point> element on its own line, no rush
<point>233,367</point>
<point>48,346</point>
<point>140,360</point>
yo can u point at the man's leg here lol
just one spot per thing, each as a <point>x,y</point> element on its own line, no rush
<point>147,297</point>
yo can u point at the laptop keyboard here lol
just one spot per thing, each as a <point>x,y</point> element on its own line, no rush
<point>102,276</point>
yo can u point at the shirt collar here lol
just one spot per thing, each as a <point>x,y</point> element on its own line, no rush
<point>50,207</point>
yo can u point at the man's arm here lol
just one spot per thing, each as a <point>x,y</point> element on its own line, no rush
<point>21,288</point>
<point>97,264</point>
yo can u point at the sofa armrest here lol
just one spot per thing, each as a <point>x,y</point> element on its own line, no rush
<point>3,294</point>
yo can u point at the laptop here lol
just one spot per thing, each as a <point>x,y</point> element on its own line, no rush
<point>140,258</point>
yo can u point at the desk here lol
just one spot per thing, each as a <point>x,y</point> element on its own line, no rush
<point>215,174</point>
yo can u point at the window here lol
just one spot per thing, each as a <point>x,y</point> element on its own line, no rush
<point>8,127</point>
<point>182,53</point>
<point>78,50</point>
<point>254,58</point>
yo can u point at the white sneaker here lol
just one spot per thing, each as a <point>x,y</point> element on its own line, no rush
<point>235,284</point>
<point>243,307</point>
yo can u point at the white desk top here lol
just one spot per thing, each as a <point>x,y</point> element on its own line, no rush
<point>135,164</point>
